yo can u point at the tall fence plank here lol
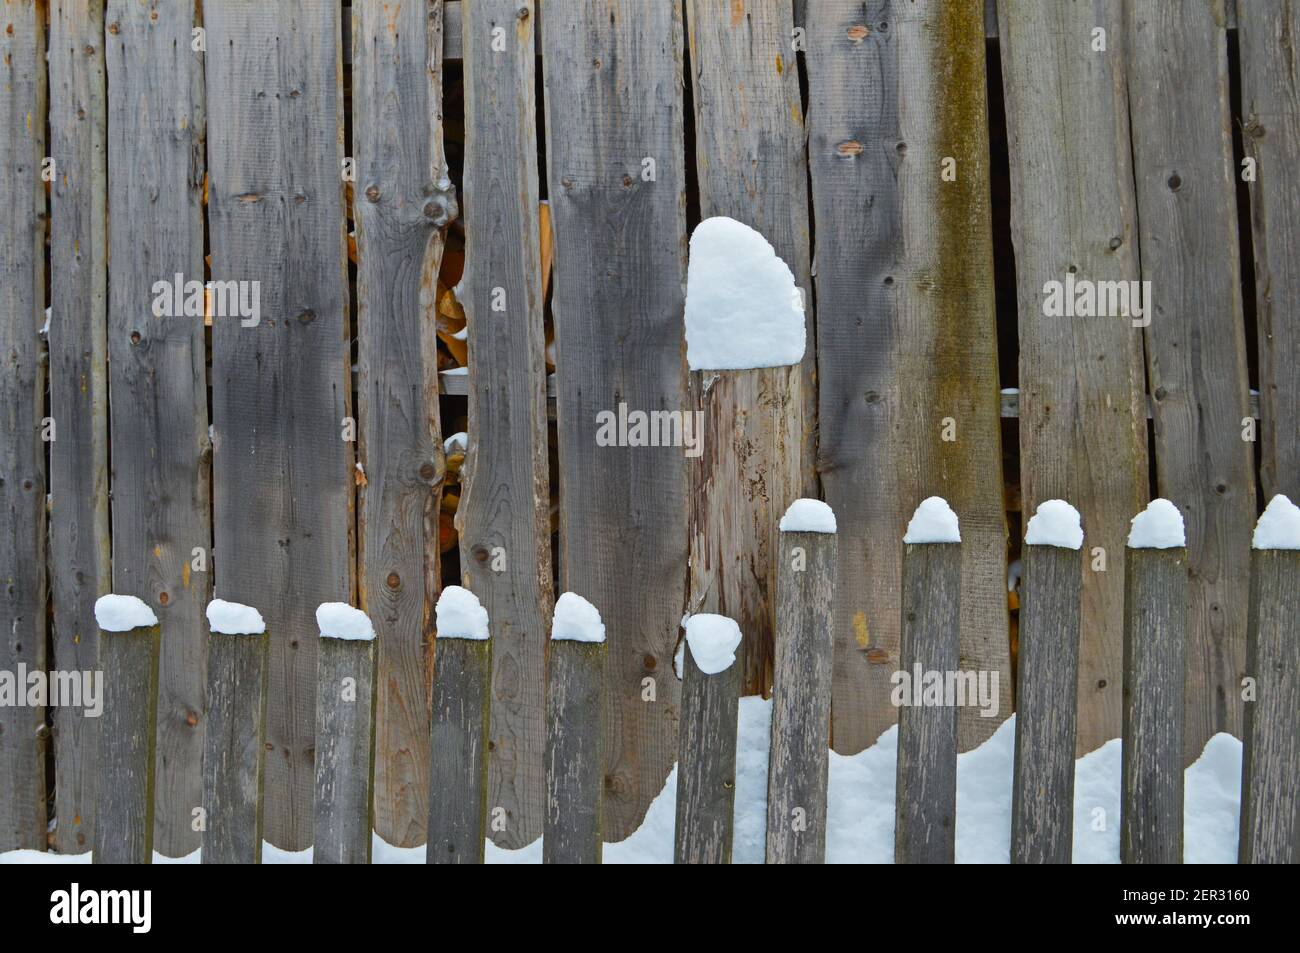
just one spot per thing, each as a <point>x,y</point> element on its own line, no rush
<point>1196,351</point>
<point>22,387</point>
<point>1082,388</point>
<point>575,756</point>
<point>345,754</point>
<point>615,145</point>
<point>283,465</point>
<point>504,512</point>
<point>458,789</point>
<point>403,202</point>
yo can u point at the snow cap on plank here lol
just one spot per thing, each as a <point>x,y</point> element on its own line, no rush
<point>576,620</point>
<point>338,620</point>
<point>933,522</point>
<point>1159,526</point>
<point>234,618</point>
<point>1055,523</point>
<point>713,640</point>
<point>1279,527</point>
<point>460,615</point>
<point>115,613</point>
<point>808,516</point>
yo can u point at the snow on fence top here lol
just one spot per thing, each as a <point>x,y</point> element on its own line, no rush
<point>338,620</point>
<point>1279,527</point>
<point>933,522</point>
<point>743,309</point>
<point>1055,523</point>
<point>576,620</point>
<point>457,441</point>
<point>122,613</point>
<point>460,615</point>
<point>234,618</point>
<point>808,516</point>
<point>1159,526</point>
<point>714,640</point>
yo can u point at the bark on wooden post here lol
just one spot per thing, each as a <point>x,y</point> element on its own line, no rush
<point>234,744</point>
<point>124,802</point>
<point>1155,628</point>
<point>1270,801</point>
<point>706,760</point>
<point>575,757</point>
<point>926,790</point>
<point>1042,795</point>
<point>801,686</point>
<point>462,693</point>
<point>345,736</point>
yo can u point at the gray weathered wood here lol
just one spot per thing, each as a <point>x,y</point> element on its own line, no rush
<point>706,764</point>
<point>22,388</point>
<point>283,467</point>
<point>613,96</point>
<point>575,753</point>
<point>926,792</point>
<point>1270,799</point>
<point>1155,646</point>
<point>403,202</point>
<point>128,734</point>
<point>458,788</point>
<point>801,698</point>
<point>1083,433</point>
<point>504,513</point>
<point>157,380</point>
<point>234,749</point>
<point>345,751</point>
<point>1196,351</point>
<point>1042,793</point>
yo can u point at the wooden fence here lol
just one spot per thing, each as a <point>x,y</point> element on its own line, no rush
<point>926,169</point>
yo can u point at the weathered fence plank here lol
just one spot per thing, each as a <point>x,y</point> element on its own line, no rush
<point>283,474</point>
<point>1082,387</point>
<point>404,200</point>
<point>1196,350</point>
<point>799,758</point>
<point>22,388</point>
<point>615,146</point>
<point>504,513</point>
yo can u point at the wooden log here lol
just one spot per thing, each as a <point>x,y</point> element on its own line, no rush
<point>22,389</point>
<point>345,737</point>
<point>234,744</point>
<point>1042,793</point>
<point>504,513</point>
<point>706,760</point>
<point>284,472</point>
<point>799,758</point>
<point>404,202</point>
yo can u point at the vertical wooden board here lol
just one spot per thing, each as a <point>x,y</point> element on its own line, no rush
<point>343,798</point>
<point>706,764</point>
<point>1196,351</point>
<point>613,98</point>
<point>403,196</point>
<point>283,468</point>
<point>1270,105</point>
<point>458,787</point>
<point>760,425</point>
<point>1082,386</point>
<point>22,387</point>
<point>575,755</point>
<point>504,513</point>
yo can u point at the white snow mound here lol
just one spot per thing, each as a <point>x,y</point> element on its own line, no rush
<point>1279,527</point>
<point>713,640</point>
<point>808,516</point>
<point>576,620</point>
<point>234,618</point>
<point>933,522</point>
<point>1055,523</point>
<point>122,613</point>
<point>338,620</point>
<point>1159,526</point>
<point>460,615</point>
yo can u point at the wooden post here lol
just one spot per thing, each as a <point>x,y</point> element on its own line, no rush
<point>1155,627</point>
<point>345,736</point>
<point>129,644</point>
<point>1042,795</point>
<point>801,687</point>
<point>234,744</point>
<point>926,792</point>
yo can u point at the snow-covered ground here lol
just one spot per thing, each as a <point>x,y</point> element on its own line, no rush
<point>861,821</point>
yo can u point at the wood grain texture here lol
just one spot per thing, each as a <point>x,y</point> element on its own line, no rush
<point>706,764</point>
<point>798,760</point>
<point>458,787</point>
<point>125,796</point>
<point>926,792</point>
<point>22,388</point>
<point>504,513</point>
<point>404,201</point>
<point>234,749</point>
<point>1196,350</point>
<point>1042,792</point>
<point>1083,429</point>
<point>613,76</point>
<point>1270,105</point>
<point>1156,623</point>
<point>345,752</point>
<point>283,466</point>
<point>1270,802</point>
<point>575,753</point>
